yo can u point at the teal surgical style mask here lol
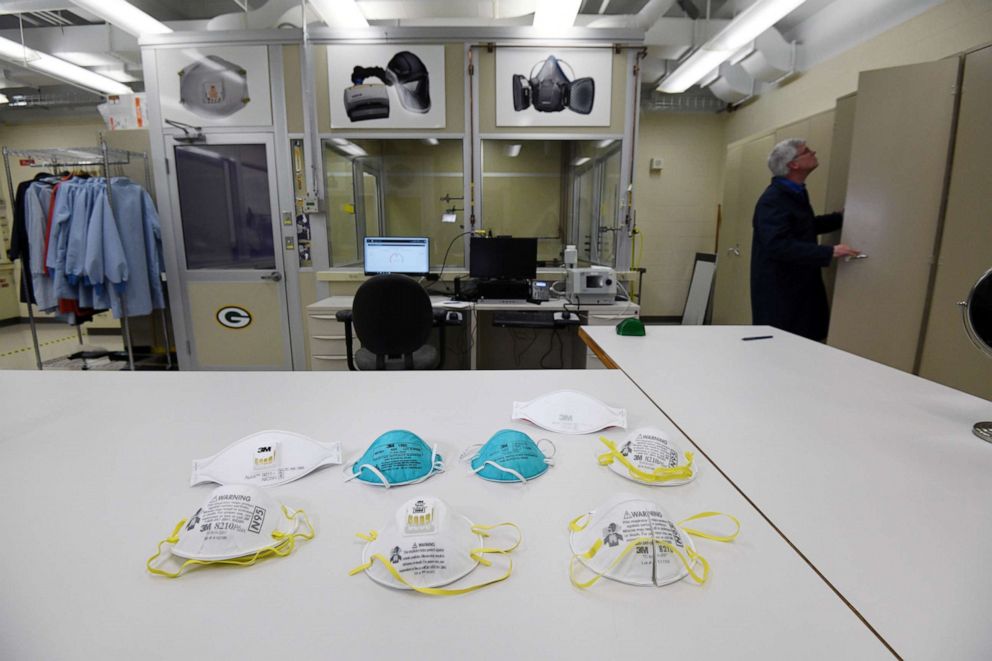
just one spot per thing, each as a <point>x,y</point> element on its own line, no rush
<point>509,456</point>
<point>395,458</point>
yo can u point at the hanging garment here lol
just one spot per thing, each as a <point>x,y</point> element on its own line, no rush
<point>19,248</point>
<point>37,201</point>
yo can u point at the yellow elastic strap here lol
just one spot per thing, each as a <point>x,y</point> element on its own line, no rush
<point>371,537</point>
<point>575,526</point>
<point>483,532</point>
<point>285,546</point>
<point>431,591</point>
<point>716,538</point>
<point>476,554</point>
<point>659,474</point>
<point>594,549</point>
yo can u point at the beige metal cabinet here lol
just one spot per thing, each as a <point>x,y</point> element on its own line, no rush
<point>948,356</point>
<point>327,338</point>
<point>902,132</point>
<point>840,165</point>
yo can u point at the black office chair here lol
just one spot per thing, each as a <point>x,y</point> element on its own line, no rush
<point>393,319</point>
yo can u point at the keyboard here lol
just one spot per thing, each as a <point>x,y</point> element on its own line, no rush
<point>524,318</point>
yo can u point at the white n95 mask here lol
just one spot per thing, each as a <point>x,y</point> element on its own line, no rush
<point>634,541</point>
<point>427,546</point>
<point>570,412</point>
<point>266,458</point>
<point>648,457</point>
<point>237,525</point>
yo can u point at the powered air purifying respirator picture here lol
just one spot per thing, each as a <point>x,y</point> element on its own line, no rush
<point>405,73</point>
<point>551,90</point>
<point>213,87</point>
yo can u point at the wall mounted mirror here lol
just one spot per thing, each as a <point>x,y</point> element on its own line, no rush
<point>977,313</point>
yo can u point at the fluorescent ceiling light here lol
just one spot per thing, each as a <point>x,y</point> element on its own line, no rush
<point>746,27</point>
<point>581,161</point>
<point>340,13</point>
<point>347,147</point>
<point>433,142</point>
<point>603,144</point>
<point>512,150</point>
<point>118,73</point>
<point>556,14</point>
<point>53,66</point>
<point>87,59</point>
<point>124,15</point>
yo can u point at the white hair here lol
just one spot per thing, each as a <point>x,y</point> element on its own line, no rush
<point>782,154</point>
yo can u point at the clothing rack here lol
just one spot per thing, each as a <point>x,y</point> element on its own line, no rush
<point>65,157</point>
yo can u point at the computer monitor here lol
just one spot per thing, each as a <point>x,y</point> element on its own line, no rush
<point>503,257</point>
<point>409,255</point>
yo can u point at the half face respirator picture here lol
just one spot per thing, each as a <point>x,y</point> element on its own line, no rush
<point>213,87</point>
<point>551,90</point>
<point>405,73</point>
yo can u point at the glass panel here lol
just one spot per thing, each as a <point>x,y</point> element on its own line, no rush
<point>584,212</point>
<point>522,192</point>
<point>225,206</point>
<point>402,189</point>
<point>608,209</point>
<point>370,185</point>
<point>560,191</point>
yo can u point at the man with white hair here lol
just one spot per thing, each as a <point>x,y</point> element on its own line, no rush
<point>786,285</point>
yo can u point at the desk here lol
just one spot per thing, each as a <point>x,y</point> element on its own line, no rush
<point>872,473</point>
<point>90,491</point>
<point>327,346</point>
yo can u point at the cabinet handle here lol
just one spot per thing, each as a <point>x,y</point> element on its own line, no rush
<point>863,255</point>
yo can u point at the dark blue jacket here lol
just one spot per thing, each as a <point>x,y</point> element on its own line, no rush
<point>786,285</point>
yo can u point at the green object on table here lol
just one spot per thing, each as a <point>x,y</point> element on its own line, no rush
<point>633,327</point>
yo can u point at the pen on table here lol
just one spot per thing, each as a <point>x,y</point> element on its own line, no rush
<point>758,337</point>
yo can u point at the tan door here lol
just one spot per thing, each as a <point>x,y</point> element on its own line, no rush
<point>949,357</point>
<point>840,165</point>
<point>902,129</point>
<point>728,260</point>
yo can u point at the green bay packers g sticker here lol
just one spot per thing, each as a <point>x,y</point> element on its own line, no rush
<point>231,316</point>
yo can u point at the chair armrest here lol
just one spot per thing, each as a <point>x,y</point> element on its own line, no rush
<point>344,316</point>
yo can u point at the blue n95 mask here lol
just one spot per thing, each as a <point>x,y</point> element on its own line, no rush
<point>509,456</point>
<point>395,458</point>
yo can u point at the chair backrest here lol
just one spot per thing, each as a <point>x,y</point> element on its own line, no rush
<point>392,315</point>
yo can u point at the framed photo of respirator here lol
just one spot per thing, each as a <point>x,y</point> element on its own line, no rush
<point>559,87</point>
<point>215,86</point>
<point>387,86</point>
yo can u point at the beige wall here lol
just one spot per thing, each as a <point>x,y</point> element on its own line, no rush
<point>677,206</point>
<point>946,29</point>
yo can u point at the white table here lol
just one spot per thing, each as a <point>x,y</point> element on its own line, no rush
<point>872,473</point>
<point>95,472</point>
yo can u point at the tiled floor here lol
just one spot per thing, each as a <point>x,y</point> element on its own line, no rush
<point>54,340</point>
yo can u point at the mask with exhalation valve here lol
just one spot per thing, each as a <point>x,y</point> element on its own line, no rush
<point>550,90</point>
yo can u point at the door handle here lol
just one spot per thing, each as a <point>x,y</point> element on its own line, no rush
<point>859,256</point>
<point>736,251</point>
<point>275,276</point>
